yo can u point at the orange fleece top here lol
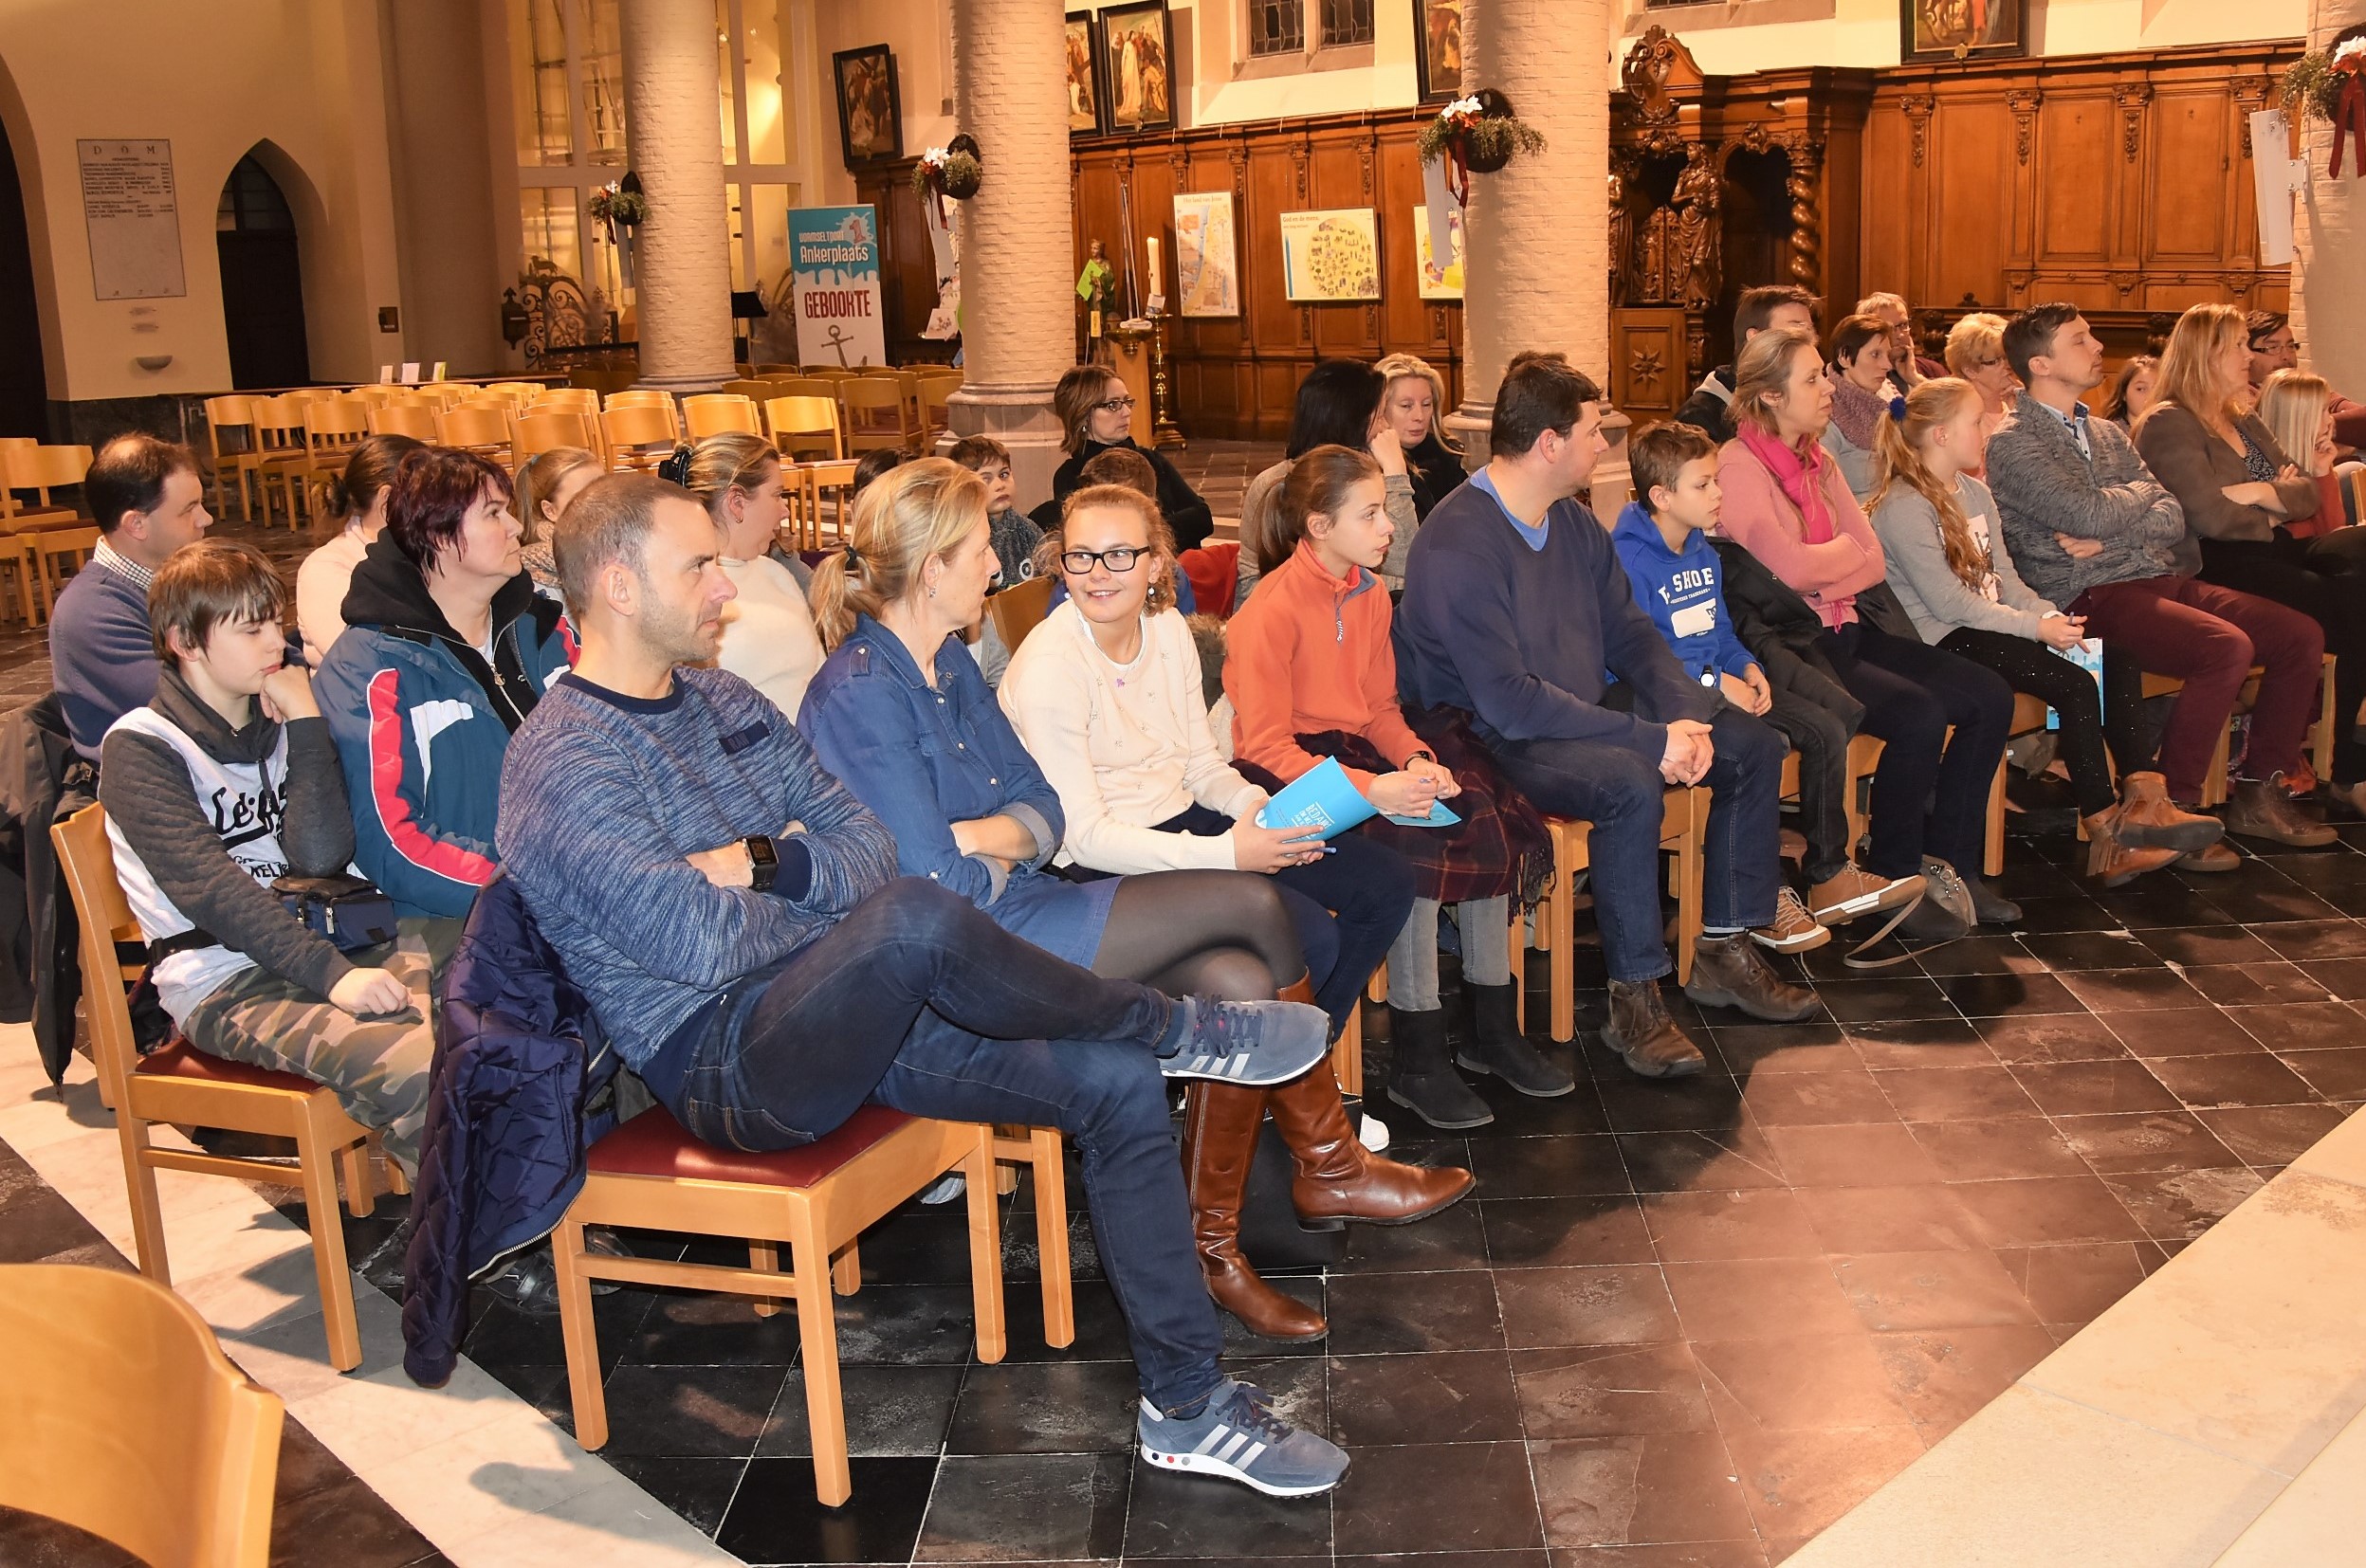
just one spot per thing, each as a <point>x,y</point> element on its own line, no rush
<point>1311,653</point>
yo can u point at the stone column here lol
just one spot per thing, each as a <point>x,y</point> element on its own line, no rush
<point>682,255</point>
<point>1536,241</point>
<point>2329,237</point>
<point>1019,295</point>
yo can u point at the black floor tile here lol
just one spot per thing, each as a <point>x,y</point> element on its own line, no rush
<point>1547,1167</point>
<point>890,1411</point>
<point>775,1518</point>
<point>1380,1314</point>
<point>1173,1515</point>
<point>1885,1001</point>
<point>690,1411</point>
<point>1012,1507</point>
<point>1451,1396</point>
<point>2009,996</point>
<point>700,1490</point>
<point>1462,1497</point>
<point>2067,950</point>
<point>2050,1037</point>
<point>1077,1407</point>
<point>1548,1233</point>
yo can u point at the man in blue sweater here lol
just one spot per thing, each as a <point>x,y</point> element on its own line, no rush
<point>735,917</point>
<point>148,502</point>
<point>1515,608</point>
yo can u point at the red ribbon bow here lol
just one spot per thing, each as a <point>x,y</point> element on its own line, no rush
<point>2349,115</point>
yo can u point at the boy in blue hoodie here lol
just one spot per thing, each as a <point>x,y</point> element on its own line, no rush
<point>1674,573</point>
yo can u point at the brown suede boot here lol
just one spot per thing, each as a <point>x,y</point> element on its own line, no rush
<point>1221,1122</point>
<point>1728,971</point>
<point>2148,819</point>
<point>2111,858</point>
<point>2262,808</point>
<point>1338,1177</point>
<point>1641,1031</point>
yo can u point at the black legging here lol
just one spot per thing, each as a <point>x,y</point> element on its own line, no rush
<point>2031,667</point>
<point>2315,582</point>
<point>1930,790</point>
<point>1222,934</point>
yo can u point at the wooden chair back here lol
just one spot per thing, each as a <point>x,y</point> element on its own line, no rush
<point>717,413</point>
<point>57,554</point>
<point>637,438</point>
<point>805,481</point>
<point>547,427</point>
<point>806,425</point>
<point>803,386</point>
<point>573,399</point>
<point>19,577</point>
<point>415,420</point>
<point>42,468</point>
<point>473,428</point>
<point>752,388</point>
<point>126,1420</point>
<point>1018,610</point>
<point>236,415</point>
<point>831,373</point>
<point>334,425</point>
<point>877,417</point>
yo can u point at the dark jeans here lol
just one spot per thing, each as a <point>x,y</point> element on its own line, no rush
<point>1347,906</point>
<point>1620,791</point>
<point>1912,693</point>
<point>2310,579</point>
<point>2209,637</point>
<point>2031,667</point>
<point>918,1001</point>
<point>1821,738</point>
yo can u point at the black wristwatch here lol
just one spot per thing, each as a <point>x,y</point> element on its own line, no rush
<point>764,861</point>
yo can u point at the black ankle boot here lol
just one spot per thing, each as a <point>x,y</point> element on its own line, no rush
<point>1422,1081</point>
<point>1498,1047</point>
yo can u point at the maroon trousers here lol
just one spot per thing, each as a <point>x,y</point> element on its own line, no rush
<point>2209,637</point>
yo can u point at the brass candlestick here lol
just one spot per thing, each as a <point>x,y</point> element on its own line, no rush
<point>1164,431</point>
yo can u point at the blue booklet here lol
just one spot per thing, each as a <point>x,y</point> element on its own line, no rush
<point>1326,799</point>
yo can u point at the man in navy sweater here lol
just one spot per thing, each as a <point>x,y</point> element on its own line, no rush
<point>734,915</point>
<point>1515,607</point>
<point>148,502</point>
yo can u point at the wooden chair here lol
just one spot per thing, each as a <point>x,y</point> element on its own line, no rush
<point>41,469</point>
<point>763,370</point>
<point>834,372</point>
<point>638,438</point>
<point>718,414</point>
<point>581,400</point>
<point>183,1085</point>
<point>281,452</point>
<point>18,562</point>
<point>126,1420</point>
<point>476,430</point>
<point>877,417</point>
<point>1684,817</point>
<point>806,425</point>
<point>1018,610</point>
<point>817,1199</point>
<point>50,548</point>
<point>332,431</point>
<point>232,416</point>
<point>415,420</point>
<point>936,407</point>
<point>805,481</point>
<point>802,386</point>
<point>545,428</point>
<point>754,389</point>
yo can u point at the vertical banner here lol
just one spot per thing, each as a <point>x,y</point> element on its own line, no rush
<point>833,263</point>
<point>2276,177</point>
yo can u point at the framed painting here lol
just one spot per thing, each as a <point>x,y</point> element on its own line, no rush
<point>1207,256</point>
<point>1137,66</point>
<point>1438,48</point>
<point>1084,77</point>
<point>1963,30</point>
<point>1330,256</point>
<point>871,114</point>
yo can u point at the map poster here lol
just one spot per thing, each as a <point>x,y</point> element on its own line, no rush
<point>1207,256</point>
<point>1330,255</point>
<point>1441,278</point>
<point>834,266</point>
<point>134,220</point>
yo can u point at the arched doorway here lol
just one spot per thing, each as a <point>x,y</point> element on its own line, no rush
<point>263,286</point>
<point>24,388</point>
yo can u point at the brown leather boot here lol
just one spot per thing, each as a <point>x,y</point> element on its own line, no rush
<point>2148,819</point>
<point>1641,1031</point>
<point>1221,1123</point>
<point>2112,858</point>
<point>2262,808</point>
<point>1338,1178</point>
<point>1728,971</point>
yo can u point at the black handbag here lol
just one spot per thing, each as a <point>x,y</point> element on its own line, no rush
<point>350,911</point>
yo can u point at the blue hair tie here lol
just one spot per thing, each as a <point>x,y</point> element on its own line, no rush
<point>1898,410</point>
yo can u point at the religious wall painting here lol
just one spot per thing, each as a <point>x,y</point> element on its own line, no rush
<point>1207,254</point>
<point>871,114</point>
<point>1084,77</point>
<point>1137,66</point>
<point>1442,276</point>
<point>1438,48</point>
<point>1330,256</point>
<point>1963,30</point>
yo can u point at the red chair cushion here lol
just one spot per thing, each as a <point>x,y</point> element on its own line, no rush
<point>177,1058</point>
<point>1214,571</point>
<point>655,1144</point>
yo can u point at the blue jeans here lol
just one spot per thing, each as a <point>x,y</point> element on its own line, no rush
<point>918,1001</point>
<point>1620,791</point>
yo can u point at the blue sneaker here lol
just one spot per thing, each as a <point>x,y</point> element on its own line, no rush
<point>1253,1044</point>
<point>1237,1436</point>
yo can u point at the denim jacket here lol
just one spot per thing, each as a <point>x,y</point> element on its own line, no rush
<point>923,759</point>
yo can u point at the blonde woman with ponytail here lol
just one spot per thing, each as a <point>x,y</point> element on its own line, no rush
<point>902,714</point>
<point>768,636</point>
<point>1944,542</point>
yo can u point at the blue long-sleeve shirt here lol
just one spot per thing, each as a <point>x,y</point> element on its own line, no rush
<point>102,658</point>
<point>603,797</point>
<point>1680,591</point>
<point>924,758</point>
<point>1517,625</point>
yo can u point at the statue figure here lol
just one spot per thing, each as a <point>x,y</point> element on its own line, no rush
<point>1621,239</point>
<point>1094,286</point>
<point>1694,262</point>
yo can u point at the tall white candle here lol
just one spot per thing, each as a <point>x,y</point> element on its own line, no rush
<point>1158,284</point>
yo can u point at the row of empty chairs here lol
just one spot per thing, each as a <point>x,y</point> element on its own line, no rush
<point>41,542</point>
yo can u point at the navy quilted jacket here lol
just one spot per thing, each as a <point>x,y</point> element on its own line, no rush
<point>523,1084</point>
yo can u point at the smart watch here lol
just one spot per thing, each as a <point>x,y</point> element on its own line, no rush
<point>764,861</point>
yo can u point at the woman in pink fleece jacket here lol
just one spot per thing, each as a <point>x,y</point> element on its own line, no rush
<point>1786,503</point>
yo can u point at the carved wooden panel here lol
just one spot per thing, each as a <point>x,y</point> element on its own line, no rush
<point>1647,376</point>
<point>1971,140</point>
<point>2078,132</point>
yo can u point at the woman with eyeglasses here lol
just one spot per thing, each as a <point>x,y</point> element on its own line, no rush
<point>900,712</point>
<point>1096,414</point>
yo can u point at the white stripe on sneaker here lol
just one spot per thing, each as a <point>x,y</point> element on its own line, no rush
<point>1226,1453</point>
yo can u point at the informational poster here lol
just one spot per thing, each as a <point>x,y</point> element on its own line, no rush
<point>1442,276</point>
<point>2276,177</point>
<point>1330,255</point>
<point>134,221</point>
<point>833,266</point>
<point>1207,254</point>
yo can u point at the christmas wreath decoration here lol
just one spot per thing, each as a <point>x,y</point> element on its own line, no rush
<point>953,170</point>
<point>2330,84</point>
<point>620,203</point>
<point>1477,135</point>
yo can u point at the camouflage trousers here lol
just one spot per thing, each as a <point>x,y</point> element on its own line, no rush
<point>378,1066</point>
